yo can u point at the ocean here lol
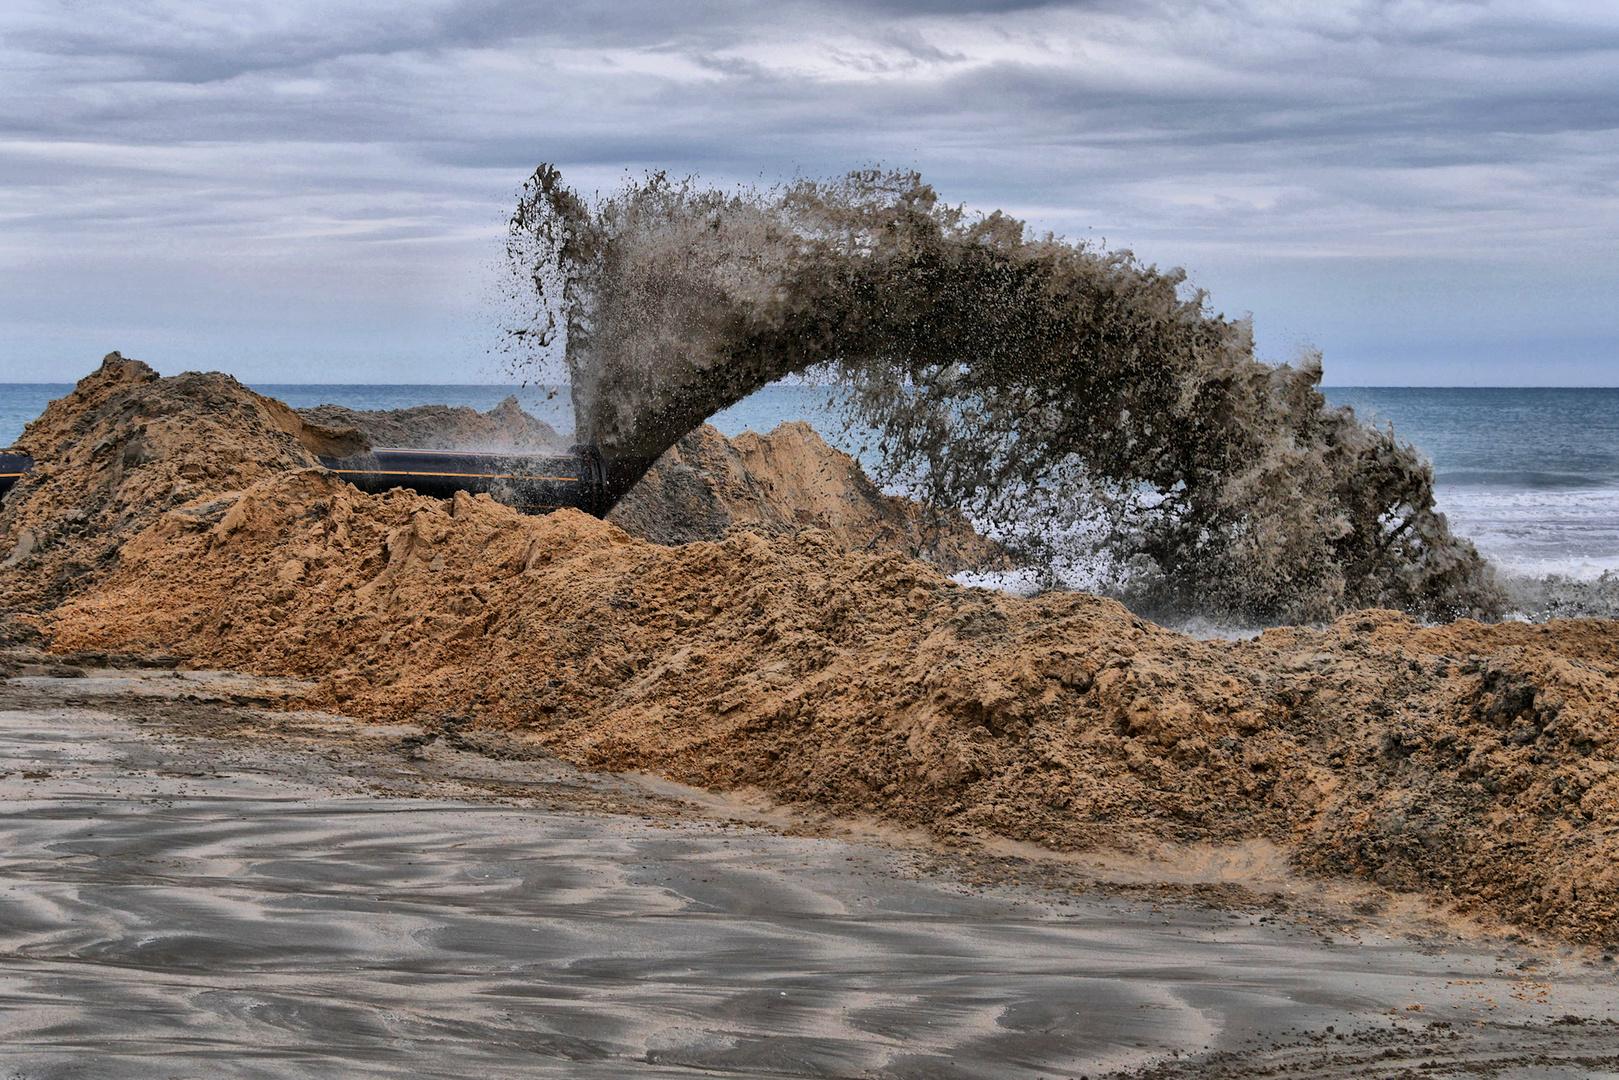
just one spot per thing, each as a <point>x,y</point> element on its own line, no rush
<point>1531,475</point>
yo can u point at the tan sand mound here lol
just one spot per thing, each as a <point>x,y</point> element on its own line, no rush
<point>126,445</point>
<point>706,483</point>
<point>1468,761</point>
<point>122,448</point>
<point>784,482</point>
<point>504,429</point>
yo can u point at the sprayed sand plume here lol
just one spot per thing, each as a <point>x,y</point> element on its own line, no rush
<point>1051,389</point>
<point>1470,762</point>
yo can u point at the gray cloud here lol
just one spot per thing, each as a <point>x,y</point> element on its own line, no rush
<point>953,7</point>
<point>355,157</point>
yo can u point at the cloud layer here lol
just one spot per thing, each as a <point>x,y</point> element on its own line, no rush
<point>1427,190</point>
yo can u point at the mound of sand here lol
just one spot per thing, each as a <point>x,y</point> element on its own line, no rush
<point>782,483</point>
<point>505,429</point>
<point>1479,763</point>
<point>124,447</point>
<point>1476,761</point>
<point>128,445</point>
<point>778,483</point>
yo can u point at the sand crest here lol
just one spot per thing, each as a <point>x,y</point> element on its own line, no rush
<point>504,429</point>
<point>1469,762</point>
<point>125,447</point>
<point>784,482</point>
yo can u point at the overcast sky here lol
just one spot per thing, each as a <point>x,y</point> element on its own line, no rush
<point>296,191</point>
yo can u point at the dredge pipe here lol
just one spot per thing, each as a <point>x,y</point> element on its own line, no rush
<point>532,483</point>
<point>12,468</point>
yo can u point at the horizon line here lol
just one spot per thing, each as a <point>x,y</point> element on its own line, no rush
<point>821,386</point>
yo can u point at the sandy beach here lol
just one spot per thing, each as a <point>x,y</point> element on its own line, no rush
<point>197,887</point>
<point>305,781</point>
<point>921,540</point>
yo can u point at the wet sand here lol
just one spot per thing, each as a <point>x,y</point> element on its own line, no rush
<point>193,887</point>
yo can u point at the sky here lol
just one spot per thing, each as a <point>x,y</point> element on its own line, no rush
<point>307,192</point>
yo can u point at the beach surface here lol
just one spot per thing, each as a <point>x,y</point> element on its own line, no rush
<point>802,652</point>
<point>194,886</point>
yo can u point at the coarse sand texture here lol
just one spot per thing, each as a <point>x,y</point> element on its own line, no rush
<point>1466,761</point>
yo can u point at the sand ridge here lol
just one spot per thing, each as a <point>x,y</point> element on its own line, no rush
<point>783,482</point>
<point>124,447</point>
<point>780,482</point>
<point>1469,762</point>
<point>504,429</point>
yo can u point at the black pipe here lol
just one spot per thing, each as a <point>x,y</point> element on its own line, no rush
<point>12,467</point>
<point>532,483</point>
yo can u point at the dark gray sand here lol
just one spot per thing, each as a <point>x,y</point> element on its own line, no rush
<point>191,887</point>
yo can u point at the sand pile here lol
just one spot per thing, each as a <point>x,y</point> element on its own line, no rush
<point>1480,762</point>
<point>127,445</point>
<point>505,429</point>
<point>706,483</point>
<point>784,482</point>
<point>124,447</point>
<point>1477,762</point>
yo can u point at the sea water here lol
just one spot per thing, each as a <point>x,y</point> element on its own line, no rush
<point>1531,475</point>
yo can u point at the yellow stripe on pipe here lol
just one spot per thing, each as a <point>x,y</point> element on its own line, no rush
<point>453,475</point>
<point>468,453</point>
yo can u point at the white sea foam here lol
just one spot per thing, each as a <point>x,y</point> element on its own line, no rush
<point>1539,532</point>
<point>1551,549</point>
<point>1015,582</point>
